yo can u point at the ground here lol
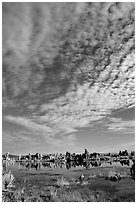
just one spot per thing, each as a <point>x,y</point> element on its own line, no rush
<point>81,185</point>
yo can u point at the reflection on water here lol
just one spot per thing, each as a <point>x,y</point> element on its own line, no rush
<point>26,165</point>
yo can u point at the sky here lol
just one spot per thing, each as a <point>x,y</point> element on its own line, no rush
<point>68,80</point>
<point>113,133</point>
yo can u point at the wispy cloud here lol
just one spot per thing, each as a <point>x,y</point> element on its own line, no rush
<point>119,125</point>
<point>27,123</point>
<point>7,137</point>
<point>39,133</point>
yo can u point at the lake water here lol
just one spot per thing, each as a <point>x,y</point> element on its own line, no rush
<point>61,167</point>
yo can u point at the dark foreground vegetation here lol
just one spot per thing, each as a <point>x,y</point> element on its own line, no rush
<point>98,184</point>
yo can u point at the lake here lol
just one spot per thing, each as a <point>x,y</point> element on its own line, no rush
<point>61,167</point>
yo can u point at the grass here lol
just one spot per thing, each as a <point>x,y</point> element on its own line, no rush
<point>96,185</point>
<point>65,194</point>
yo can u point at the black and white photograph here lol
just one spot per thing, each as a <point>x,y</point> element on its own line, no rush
<point>68,101</point>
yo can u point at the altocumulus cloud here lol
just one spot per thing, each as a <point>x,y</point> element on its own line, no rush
<point>70,63</point>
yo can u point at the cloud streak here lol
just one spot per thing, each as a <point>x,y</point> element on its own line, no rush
<point>35,133</point>
<point>119,125</point>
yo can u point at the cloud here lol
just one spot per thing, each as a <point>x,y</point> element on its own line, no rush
<point>7,137</point>
<point>21,137</point>
<point>42,42</point>
<point>36,134</point>
<point>31,38</point>
<point>119,125</point>
<point>36,123</point>
<point>109,125</point>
